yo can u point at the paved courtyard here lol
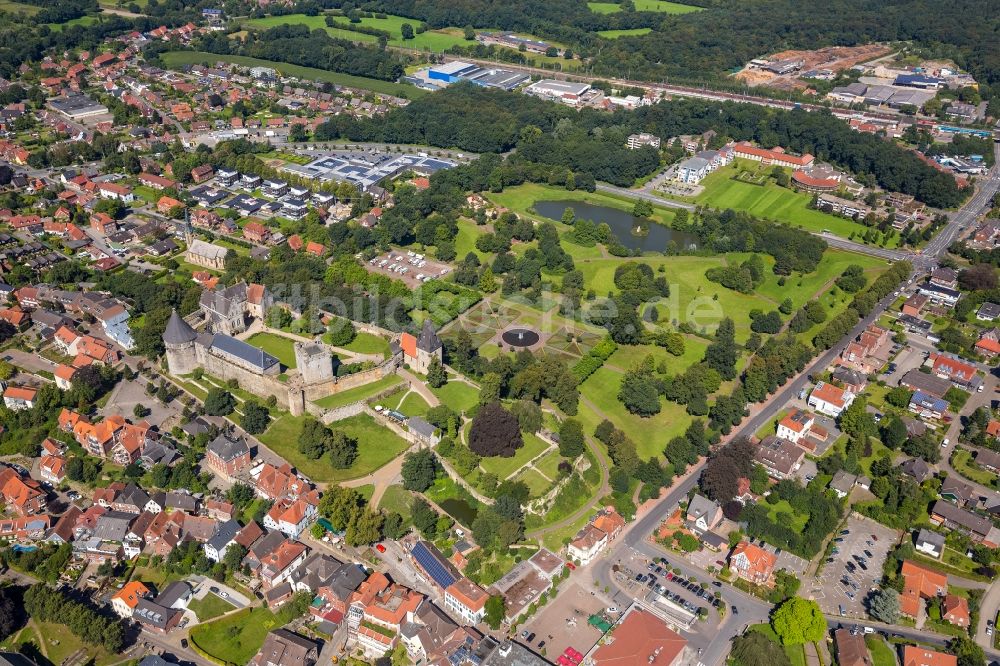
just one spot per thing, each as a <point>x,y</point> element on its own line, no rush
<point>563,623</point>
<point>127,394</point>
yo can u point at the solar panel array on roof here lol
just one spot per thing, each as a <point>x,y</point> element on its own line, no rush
<point>432,564</point>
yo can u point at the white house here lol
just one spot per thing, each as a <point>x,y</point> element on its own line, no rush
<point>829,399</point>
<point>225,536</point>
<point>467,600</point>
<point>930,543</point>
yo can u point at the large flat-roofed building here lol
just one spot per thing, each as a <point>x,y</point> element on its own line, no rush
<point>77,106</point>
<point>450,72</point>
<point>567,92</point>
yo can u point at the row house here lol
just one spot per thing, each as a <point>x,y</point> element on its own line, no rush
<point>278,566</point>
<point>377,611</point>
<point>272,482</point>
<point>955,370</point>
<point>291,517</point>
<point>21,493</point>
<point>595,536</point>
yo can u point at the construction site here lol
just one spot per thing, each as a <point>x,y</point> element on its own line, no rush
<point>790,70</point>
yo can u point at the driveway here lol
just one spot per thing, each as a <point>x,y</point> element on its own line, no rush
<point>29,362</point>
<point>204,586</point>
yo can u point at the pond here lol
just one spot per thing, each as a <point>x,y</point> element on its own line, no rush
<point>459,509</point>
<point>656,236</point>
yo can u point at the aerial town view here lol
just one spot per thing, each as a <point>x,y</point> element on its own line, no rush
<point>499,333</point>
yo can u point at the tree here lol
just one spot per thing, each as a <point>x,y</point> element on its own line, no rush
<point>256,418</point>
<point>495,432</point>
<point>757,649</point>
<point>365,529</point>
<point>639,394</point>
<point>884,605</point>
<point>341,449</point>
<point>140,411</point>
<point>406,31</point>
<point>798,621</point>
<point>233,559</point>
<point>899,396</point>
<point>856,422</point>
<point>723,352</point>
<point>967,651</point>
<point>240,495</point>
<point>313,439</point>
<point>495,611</point>
<point>642,208</point>
<point>419,470</point>
<point>219,402</point>
<point>469,33</point>
<point>437,376</point>
<point>893,432</point>
<point>571,442</point>
<point>424,516</point>
<point>11,611</point>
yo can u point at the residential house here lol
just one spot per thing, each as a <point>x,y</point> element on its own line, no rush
<point>467,600</point>
<point>228,454</point>
<point>851,648</point>
<point>290,516</point>
<point>21,493</point>
<point>124,601</point>
<point>278,566</point>
<point>958,491</point>
<point>225,536</point>
<point>843,483</point>
<point>779,457</point>
<point>955,610</point>
<point>703,515</point>
<point>988,459</point>
<point>829,399</point>
<point>927,406</point>
<point>594,536</point>
<point>753,564</point>
<point>955,370</point>
<point>18,398</point>
<point>988,312</point>
<point>284,648</point>
<point>988,343</point>
<point>914,305</point>
<point>921,656</point>
<point>919,584</point>
<point>979,528</point>
<point>930,543</point>
<point>641,638</point>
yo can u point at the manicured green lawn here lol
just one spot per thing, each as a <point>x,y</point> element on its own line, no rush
<point>177,59</point>
<point>628,356</point>
<point>377,445</point>
<point>615,34</point>
<point>549,465</point>
<point>210,606</point>
<point>504,467</point>
<point>277,346</point>
<point>649,434</point>
<point>358,392</point>
<point>965,465</point>
<point>235,638</point>
<point>413,405</point>
<point>882,654</point>
<point>798,521</point>
<point>535,481</point>
<point>397,498</point>
<point>773,202</point>
<point>433,40</point>
<point>366,343</point>
<point>458,395</point>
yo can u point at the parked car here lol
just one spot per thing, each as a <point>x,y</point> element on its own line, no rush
<point>380,548</point>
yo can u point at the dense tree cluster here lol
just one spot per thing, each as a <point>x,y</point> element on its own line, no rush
<point>46,604</point>
<point>822,509</point>
<point>495,432</point>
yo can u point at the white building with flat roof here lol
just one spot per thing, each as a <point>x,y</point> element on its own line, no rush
<point>567,92</point>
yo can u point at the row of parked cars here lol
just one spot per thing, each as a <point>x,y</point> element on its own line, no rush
<point>652,581</point>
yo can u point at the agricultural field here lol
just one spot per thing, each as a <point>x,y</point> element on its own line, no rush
<point>176,59</point>
<point>377,445</point>
<point>662,6</point>
<point>615,34</point>
<point>83,20</point>
<point>431,40</point>
<point>313,23</point>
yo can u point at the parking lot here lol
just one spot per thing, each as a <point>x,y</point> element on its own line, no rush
<point>563,622</point>
<point>411,267</point>
<point>856,566</point>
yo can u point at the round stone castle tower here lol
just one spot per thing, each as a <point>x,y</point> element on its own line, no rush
<point>179,341</point>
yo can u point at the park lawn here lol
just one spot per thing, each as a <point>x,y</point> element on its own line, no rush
<point>615,34</point>
<point>521,198</point>
<point>802,288</point>
<point>176,59</point>
<point>235,638</point>
<point>799,520</point>
<point>210,606</point>
<point>366,343</point>
<point>601,388</point>
<point>280,347</point>
<point>413,404</point>
<point>693,298</point>
<point>465,241</point>
<point>882,654</point>
<point>536,483</point>
<point>357,393</point>
<point>504,467</point>
<point>629,356</point>
<point>397,498</point>
<point>549,464</point>
<point>377,445</point>
<point>773,202</point>
<point>61,643</point>
<point>458,395</point>
<point>158,576</point>
<point>555,539</point>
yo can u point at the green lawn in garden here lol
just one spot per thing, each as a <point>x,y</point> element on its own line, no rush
<point>615,34</point>
<point>280,347</point>
<point>629,356</point>
<point>413,404</point>
<point>357,393</point>
<point>176,59</point>
<point>377,445</point>
<point>773,202</point>
<point>366,343</point>
<point>536,483</point>
<point>504,467</point>
<point>798,520</point>
<point>458,395</point>
<point>882,654</point>
<point>210,606</point>
<point>549,464</point>
<point>965,465</point>
<point>235,638</point>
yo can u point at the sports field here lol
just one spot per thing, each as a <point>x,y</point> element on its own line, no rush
<point>176,59</point>
<point>773,202</point>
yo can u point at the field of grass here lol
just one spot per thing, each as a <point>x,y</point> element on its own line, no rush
<point>882,654</point>
<point>377,445</point>
<point>177,59</point>
<point>83,20</point>
<point>11,6</point>
<point>772,202</point>
<point>235,638</point>
<point>366,343</point>
<point>536,483</point>
<point>615,34</point>
<point>431,40</point>
<point>210,606</point>
<point>358,392</point>
<point>504,467</point>
<point>663,6</point>
<point>796,653</point>
<point>549,464</point>
<point>413,405</point>
<point>458,395</point>
<point>601,388</point>
<point>277,346</point>
<point>965,465</point>
<point>628,356</point>
<point>397,498</point>
<point>798,521</point>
